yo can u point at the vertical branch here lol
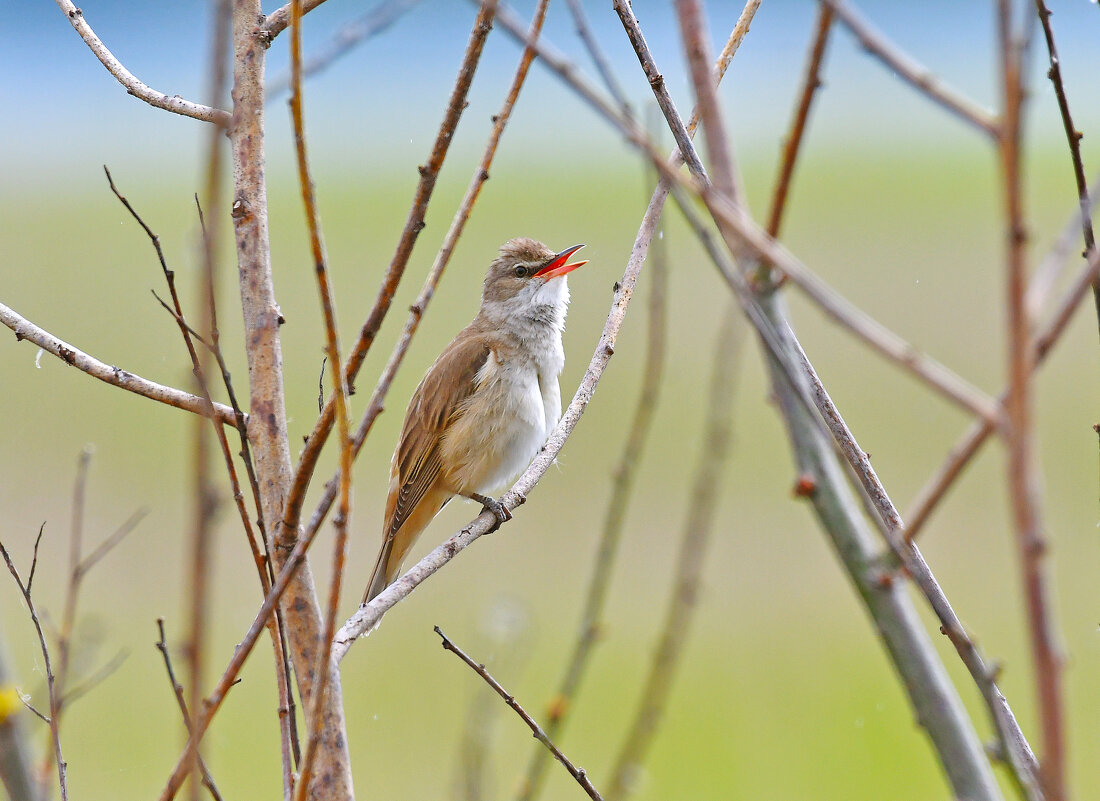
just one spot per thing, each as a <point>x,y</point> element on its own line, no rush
<point>51,682</point>
<point>76,545</point>
<point>319,724</point>
<point>205,495</point>
<point>1023,480</point>
<point>1073,138</point>
<point>713,452</point>
<point>16,761</point>
<point>267,421</point>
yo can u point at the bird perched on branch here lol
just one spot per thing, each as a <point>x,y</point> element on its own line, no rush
<point>486,405</point>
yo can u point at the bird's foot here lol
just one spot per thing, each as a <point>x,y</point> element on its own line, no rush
<point>492,505</point>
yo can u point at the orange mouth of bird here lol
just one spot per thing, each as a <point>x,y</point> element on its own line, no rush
<point>559,265</point>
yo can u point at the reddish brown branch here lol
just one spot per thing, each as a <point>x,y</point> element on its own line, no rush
<point>322,725</point>
<point>1023,480</point>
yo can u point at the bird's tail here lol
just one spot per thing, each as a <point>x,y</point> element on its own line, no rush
<point>378,580</point>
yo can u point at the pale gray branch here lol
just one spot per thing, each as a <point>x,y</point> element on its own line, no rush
<point>115,376</point>
<point>173,103</point>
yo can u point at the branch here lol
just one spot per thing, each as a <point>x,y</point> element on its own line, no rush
<point>177,689</point>
<point>713,451</point>
<point>55,699</point>
<point>962,452</point>
<point>1073,137</point>
<point>321,727</point>
<point>577,773</point>
<point>599,58</point>
<point>278,21</point>
<point>346,37</point>
<point>175,104</point>
<point>1023,478</point>
<point>115,376</point>
<point>910,71</point>
<point>792,142</point>
<point>414,224</point>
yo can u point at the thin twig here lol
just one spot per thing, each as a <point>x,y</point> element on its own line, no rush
<point>349,35</point>
<point>792,142</point>
<point>963,451</point>
<point>321,725</point>
<point>55,699</point>
<point>1023,479</point>
<point>442,259</point>
<point>175,103</point>
<point>536,730</point>
<point>599,58</point>
<point>111,542</point>
<point>1073,138</point>
<point>177,690</point>
<point>714,447</point>
<point>623,476</point>
<point>94,680</point>
<point>115,376</point>
<point>910,71</point>
<point>414,224</point>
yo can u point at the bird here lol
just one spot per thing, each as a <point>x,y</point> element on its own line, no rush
<point>486,405</point>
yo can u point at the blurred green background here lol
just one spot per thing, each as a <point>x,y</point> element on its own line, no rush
<point>784,691</point>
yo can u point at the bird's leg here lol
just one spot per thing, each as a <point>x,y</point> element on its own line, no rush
<point>491,505</point>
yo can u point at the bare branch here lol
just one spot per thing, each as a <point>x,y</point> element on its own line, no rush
<point>278,21</point>
<point>792,142</point>
<point>913,73</point>
<point>55,699</point>
<point>1073,137</point>
<point>959,456</point>
<point>115,376</point>
<point>346,37</point>
<point>177,690</point>
<point>175,103</point>
<point>595,52</point>
<point>323,724</point>
<point>577,773</point>
<point>1023,478</point>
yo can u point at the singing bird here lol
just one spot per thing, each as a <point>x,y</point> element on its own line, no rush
<point>486,405</point>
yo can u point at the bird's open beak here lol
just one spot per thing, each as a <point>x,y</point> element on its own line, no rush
<point>558,265</point>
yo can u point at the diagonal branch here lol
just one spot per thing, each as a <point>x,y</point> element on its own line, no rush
<point>174,103</point>
<point>540,735</point>
<point>1073,138</point>
<point>910,71</point>
<point>115,376</point>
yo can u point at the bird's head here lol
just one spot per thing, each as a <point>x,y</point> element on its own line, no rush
<point>528,275</point>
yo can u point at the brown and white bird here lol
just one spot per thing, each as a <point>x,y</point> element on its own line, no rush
<point>486,406</point>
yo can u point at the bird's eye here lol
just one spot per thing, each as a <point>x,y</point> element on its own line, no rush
<point>521,271</point>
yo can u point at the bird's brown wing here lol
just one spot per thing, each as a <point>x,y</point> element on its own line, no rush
<point>436,403</point>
